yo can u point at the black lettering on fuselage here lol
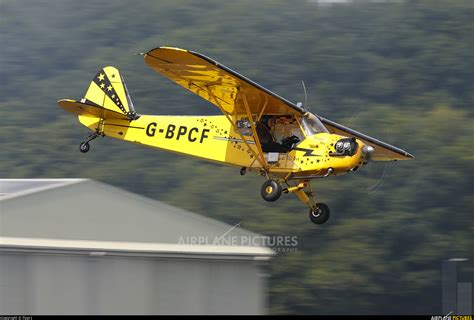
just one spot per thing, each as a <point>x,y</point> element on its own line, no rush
<point>190,138</point>
<point>204,135</point>
<point>151,129</point>
<point>170,131</point>
<point>181,131</point>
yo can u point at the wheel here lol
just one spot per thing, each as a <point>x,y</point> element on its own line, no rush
<point>84,147</point>
<point>271,190</point>
<point>320,215</point>
<point>243,171</point>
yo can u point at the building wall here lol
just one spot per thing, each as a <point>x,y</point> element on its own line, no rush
<point>32,283</point>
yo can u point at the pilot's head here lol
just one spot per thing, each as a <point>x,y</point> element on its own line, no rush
<point>271,122</point>
<point>268,121</point>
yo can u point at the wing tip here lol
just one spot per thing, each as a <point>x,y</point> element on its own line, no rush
<point>409,156</point>
<point>165,48</point>
<point>62,101</point>
<point>404,156</point>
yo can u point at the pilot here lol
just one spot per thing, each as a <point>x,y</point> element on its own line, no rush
<point>264,132</point>
<point>266,138</point>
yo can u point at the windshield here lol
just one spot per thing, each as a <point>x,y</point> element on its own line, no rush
<point>312,125</point>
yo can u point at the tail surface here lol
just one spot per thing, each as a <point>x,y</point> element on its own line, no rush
<point>109,91</point>
<point>107,96</point>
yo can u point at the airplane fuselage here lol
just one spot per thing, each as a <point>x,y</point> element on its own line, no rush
<point>214,138</point>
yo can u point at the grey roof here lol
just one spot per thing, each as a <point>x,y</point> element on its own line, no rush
<point>18,187</point>
<point>82,209</point>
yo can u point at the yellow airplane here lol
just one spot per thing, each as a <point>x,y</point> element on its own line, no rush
<point>259,131</point>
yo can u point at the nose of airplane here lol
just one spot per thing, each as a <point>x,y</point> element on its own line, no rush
<point>352,147</point>
<point>346,146</point>
<point>351,153</point>
<point>362,156</point>
<point>367,152</point>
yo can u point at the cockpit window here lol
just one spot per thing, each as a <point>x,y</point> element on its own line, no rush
<point>312,125</point>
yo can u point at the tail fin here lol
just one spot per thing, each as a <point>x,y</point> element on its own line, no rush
<point>108,90</point>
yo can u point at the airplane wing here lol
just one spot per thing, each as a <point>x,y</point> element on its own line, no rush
<point>382,151</point>
<point>235,94</point>
<point>231,92</point>
<point>217,83</point>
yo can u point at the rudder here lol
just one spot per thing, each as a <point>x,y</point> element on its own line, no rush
<point>108,90</point>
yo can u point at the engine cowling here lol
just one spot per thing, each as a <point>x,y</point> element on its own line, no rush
<point>345,147</point>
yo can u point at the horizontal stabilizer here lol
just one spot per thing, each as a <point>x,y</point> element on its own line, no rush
<point>90,110</point>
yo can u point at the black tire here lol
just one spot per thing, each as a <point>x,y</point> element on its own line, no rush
<point>320,215</point>
<point>271,190</point>
<point>84,147</point>
<point>243,171</point>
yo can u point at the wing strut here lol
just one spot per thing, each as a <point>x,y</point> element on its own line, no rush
<point>263,108</point>
<point>254,130</point>
<point>260,160</point>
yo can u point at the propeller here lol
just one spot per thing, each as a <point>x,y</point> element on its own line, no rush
<point>375,174</point>
<point>300,104</point>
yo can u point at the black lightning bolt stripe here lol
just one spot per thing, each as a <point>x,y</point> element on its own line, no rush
<point>309,152</point>
<point>104,85</point>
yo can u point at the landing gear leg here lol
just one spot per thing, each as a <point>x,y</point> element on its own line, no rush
<point>318,212</point>
<point>84,146</point>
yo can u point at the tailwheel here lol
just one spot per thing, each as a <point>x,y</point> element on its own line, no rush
<point>84,147</point>
<point>320,214</point>
<point>271,190</point>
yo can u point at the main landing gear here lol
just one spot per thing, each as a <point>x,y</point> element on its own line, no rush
<point>271,190</point>
<point>319,215</point>
<point>318,212</point>
<point>84,146</point>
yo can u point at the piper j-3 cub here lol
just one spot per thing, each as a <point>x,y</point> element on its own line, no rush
<point>258,131</point>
